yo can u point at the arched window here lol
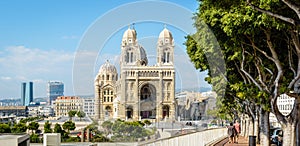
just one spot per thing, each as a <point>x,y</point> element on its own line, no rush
<point>131,57</point>
<point>127,57</point>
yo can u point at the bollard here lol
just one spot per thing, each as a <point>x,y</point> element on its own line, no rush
<point>252,140</point>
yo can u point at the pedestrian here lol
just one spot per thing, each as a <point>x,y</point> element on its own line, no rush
<point>237,128</point>
<point>231,133</point>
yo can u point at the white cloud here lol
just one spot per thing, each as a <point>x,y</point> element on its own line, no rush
<point>21,64</point>
<point>5,78</point>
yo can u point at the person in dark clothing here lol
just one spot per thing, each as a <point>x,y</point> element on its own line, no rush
<point>231,133</point>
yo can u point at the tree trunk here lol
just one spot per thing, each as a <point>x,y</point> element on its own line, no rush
<point>264,128</point>
<point>298,132</point>
<point>243,125</point>
<point>290,124</point>
<point>289,134</point>
<point>251,126</point>
<point>256,129</point>
<point>297,135</point>
<point>247,127</point>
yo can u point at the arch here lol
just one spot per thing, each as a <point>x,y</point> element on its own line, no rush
<point>147,101</point>
<point>165,111</point>
<point>129,112</point>
<point>108,111</point>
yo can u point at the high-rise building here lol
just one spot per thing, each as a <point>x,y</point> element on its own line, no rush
<point>54,89</point>
<point>29,96</point>
<point>23,93</point>
<point>26,93</point>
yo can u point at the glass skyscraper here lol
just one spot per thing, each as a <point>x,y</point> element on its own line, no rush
<point>23,93</point>
<point>26,93</point>
<point>54,89</point>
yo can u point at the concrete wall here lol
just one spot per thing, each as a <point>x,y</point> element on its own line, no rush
<point>193,139</point>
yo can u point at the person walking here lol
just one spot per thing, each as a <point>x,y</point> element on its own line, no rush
<point>237,128</point>
<point>231,133</point>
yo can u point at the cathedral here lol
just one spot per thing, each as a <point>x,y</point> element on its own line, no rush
<point>139,91</point>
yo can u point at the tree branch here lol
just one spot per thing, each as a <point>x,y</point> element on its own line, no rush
<point>293,7</point>
<point>286,19</point>
<point>246,73</point>
<point>277,63</point>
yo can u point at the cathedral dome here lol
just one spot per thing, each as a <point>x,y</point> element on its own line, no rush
<point>129,34</point>
<point>107,68</point>
<point>165,34</point>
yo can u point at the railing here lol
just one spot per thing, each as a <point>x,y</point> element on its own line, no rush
<point>201,138</point>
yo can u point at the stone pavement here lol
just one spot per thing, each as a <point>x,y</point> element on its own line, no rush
<point>243,141</point>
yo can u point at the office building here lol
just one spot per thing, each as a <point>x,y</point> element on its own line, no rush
<point>29,94</point>
<point>23,93</point>
<point>54,90</point>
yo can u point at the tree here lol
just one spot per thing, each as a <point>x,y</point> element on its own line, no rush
<point>34,138</point>
<point>107,125</point>
<point>69,125</point>
<point>19,128</point>
<point>71,114</point>
<point>33,126</point>
<point>80,114</point>
<point>57,128</point>
<point>4,128</point>
<point>47,127</point>
<point>260,42</point>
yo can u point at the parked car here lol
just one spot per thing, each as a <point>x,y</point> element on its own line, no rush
<point>276,136</point>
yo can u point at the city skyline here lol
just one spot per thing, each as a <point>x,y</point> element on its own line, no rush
<point>39,44</point>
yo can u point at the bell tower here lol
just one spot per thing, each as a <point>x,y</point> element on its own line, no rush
<point>165,48</point>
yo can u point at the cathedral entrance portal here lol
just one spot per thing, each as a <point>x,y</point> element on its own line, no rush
<point>129,112</point>
<point>166,110</point>
<point>148,102</point>
<point>108,111</point>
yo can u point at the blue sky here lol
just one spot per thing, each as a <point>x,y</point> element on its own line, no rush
<point>39,41</point>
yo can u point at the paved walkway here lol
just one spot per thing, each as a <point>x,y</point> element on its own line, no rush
<point>242,142</point>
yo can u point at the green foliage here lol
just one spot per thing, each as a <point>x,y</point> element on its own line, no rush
<point>33,126</point>
<point>57,128</point>
<point>30,119</point>
<point>241,31</point>
<point>63,133</point>
<point>126,131</point>
<point>100,138</point>
<point>47,127</point>
<point>4,128</point>
<point>72,114</point>
<point>147,122</point>
<point>19,128</point>
<point>69,125</point>
<point>34,138</point>
<point>73,139</point>
<point>80,114</point>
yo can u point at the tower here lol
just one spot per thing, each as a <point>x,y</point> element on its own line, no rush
<point>131,52</point>
<point>165,48</point>
<point>105,84</point>
<point>23,93</point>
<point>54,89</point>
